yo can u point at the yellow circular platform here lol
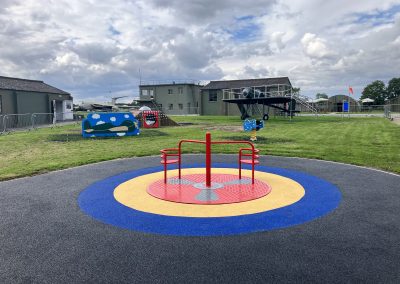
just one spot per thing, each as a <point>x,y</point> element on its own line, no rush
<point>133,194</point>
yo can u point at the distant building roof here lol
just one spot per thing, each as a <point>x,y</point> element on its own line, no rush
<point>8,83</point>
<point>169,83</point>
<point>235,84</point>
<point>339,98</point>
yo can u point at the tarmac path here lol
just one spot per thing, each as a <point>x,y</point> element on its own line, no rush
<point>46,238</point>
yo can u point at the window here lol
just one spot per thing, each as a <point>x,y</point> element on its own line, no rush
<point>212,96</point>
<point>180,106</point>
<point>68,106</point>
<point>170,91</point>
<point>180,90</point>
<point>145,93</point>
<point>170,107</point>
<point>151,94</point>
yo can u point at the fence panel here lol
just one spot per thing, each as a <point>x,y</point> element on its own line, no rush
<point>40,119</point>
<point>15,121</point>
<point>12,122</point>
<point>392,111</point>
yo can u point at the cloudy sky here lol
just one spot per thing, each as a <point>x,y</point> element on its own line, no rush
<point>95,49</point>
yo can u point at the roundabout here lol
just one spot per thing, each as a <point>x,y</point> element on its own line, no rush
<point>139,200</point>
<point>209,200</point>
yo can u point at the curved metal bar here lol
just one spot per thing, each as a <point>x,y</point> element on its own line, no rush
<point>208,144</point>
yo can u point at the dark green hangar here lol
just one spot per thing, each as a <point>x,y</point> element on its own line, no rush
<point>22,96</point>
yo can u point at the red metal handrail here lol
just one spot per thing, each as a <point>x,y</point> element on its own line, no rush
<point>165,153</point>
<point>208,144</point>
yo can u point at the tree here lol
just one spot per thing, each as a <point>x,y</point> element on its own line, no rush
<point>296,91</point>
<point>321,96</point>
<point>393,88</point>
<point>376,91</point>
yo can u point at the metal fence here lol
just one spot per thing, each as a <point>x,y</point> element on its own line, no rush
<point>367,110</point>
<point>392,111</point>
<point>13,122</point>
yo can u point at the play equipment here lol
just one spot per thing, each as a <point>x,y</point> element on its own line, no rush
<point>112,124</point>
<point>151,119</point>
<point>253,125</point>
<point>248,155</point>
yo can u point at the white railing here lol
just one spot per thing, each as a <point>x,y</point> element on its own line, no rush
<point>304,101</point>
<point>255,92</point>
<point>269,91</point>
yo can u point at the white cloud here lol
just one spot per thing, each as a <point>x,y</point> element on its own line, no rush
<point>277,39</point>
<point>315,47</point>
<point>100,122</point>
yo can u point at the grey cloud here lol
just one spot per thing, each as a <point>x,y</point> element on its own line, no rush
<point>255,72</point>
<point>194,51</point>
<point>204,10</point>
<point>96,52</point>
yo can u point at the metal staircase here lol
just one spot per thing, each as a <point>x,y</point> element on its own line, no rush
<point>303,101</point>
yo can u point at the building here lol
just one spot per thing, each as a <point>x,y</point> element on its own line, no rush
<point>173,98</point>
<point>215,98</point>
<point>335,103</point>
<point>225,97</point>
<point>22,96</point>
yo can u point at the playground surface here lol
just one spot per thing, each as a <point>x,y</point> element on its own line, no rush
<point>47,237</point>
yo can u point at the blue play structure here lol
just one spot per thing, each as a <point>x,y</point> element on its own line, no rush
<point>253,124</point>
<point>111,124</point>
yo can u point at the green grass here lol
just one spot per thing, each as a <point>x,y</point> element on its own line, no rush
<point>372,142</point>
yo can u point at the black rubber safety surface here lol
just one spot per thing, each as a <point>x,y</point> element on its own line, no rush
<point>45,237</point>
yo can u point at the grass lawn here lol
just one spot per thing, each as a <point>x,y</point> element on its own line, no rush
<point>372,142</point>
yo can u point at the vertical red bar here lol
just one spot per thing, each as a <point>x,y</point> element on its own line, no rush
<point>179,160</point>
<point>208,159</point>
<point>240,164</point>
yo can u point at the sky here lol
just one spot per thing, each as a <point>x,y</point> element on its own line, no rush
<point>100,49</point>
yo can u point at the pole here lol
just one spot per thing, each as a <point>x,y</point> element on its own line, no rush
<point>208,159</point>
<point>349,106</point>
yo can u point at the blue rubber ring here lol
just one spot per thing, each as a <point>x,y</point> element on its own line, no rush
<point>321,197</point>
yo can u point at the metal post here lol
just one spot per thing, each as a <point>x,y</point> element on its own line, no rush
<point>291,102</point>
<point>33,120</point>
<point>5,117</point>
<point>208,159</point>
<point>54,112</point>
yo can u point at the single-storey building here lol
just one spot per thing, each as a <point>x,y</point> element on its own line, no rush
<point>335,103</point>
<point>22,96</point>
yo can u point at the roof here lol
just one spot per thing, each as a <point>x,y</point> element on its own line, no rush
<point>318,100</point>
<point>235,84</point>
<point>8,83</point>
<point>340,98</point>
